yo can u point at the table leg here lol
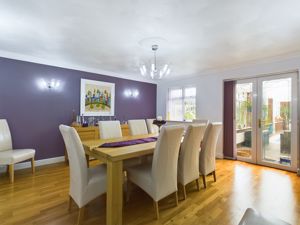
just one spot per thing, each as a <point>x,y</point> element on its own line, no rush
<point>114,199</point>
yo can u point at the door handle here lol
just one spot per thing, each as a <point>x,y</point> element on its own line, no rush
<point>261,123</point>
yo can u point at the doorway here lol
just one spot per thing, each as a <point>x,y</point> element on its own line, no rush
<point>266,128</point>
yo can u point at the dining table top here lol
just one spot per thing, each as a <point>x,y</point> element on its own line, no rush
<point>92,147</point>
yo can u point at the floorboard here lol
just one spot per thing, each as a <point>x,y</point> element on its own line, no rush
<point>43,198</point>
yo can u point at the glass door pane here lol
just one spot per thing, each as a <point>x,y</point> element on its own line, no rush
<point>244,121</point>
<point>275,123</point>
<point>266,121</point>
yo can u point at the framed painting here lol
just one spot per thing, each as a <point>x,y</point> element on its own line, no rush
<point>97,98</point>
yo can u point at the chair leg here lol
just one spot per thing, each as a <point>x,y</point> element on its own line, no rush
<point>66,157</point>
<point>204,180</point>
<point>80,215</point>
<point>215,177</point>
<point>32,166</point>
<point>11,173</point>
<point>184,192</point>
<point>70,203</point>
<point>198,185</point>
<point>155,204</point>
<point>87,160</point>
<point>176,198</point>
<point>7,169</point>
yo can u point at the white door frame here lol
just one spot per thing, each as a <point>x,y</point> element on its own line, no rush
<point>256,114</point>
<point>294,117</point>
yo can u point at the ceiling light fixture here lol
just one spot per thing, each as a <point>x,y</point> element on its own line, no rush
<point>153,71</point>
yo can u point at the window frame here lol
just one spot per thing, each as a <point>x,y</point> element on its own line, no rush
<point>183,98</point>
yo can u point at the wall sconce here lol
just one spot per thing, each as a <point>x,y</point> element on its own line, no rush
<point>131,93</point>
<point>53,84</point>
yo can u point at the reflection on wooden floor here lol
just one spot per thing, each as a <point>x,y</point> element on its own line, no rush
<point>244,152</point>
<point>43,198</point>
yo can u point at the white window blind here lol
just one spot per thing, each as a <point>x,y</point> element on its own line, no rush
<point>182,104</point>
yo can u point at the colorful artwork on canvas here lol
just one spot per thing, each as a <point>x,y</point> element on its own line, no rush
<point>97,98</point>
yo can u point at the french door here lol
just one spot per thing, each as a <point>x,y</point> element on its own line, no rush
<point>266,121</point>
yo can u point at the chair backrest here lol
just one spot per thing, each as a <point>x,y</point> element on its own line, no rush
<point>207,159</point>
<point>152,129</point>
<point>165,161</point>
<point>5,136</point>
<point>137,127</point>
<point>77,162</point>
<point>203,121</point>
<point>110,129</point>
<point>188,163</point>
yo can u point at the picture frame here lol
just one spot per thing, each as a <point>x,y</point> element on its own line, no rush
<point>97,98</point>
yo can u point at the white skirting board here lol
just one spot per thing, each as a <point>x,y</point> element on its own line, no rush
<point>41,162</point>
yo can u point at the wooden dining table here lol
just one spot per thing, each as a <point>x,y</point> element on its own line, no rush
<point>114,158</point>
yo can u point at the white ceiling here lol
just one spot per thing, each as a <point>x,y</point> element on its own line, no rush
<point>106,35</point>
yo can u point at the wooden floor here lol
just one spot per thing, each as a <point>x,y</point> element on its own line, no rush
<point>43,198</point>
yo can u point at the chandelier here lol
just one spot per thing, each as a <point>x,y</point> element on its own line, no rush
<point>153,71</point>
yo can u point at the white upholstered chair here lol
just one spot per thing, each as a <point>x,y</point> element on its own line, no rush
<point>137,127</point>
<point>152,129</point>
<point>159,178</point>
<point>188,162</point>
<point>110,129</point>
<point>86,183</point>
<point>253,217</point>
<point>9,156</point>
<point>207,159</point>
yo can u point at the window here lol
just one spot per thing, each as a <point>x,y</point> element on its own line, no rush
<point>182,104</point>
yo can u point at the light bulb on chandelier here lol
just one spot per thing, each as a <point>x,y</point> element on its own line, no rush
<point>154,72</point>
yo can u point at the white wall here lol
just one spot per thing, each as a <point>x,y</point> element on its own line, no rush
<point>210,87</point>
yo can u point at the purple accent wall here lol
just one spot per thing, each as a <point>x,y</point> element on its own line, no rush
<point>34,115</point>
